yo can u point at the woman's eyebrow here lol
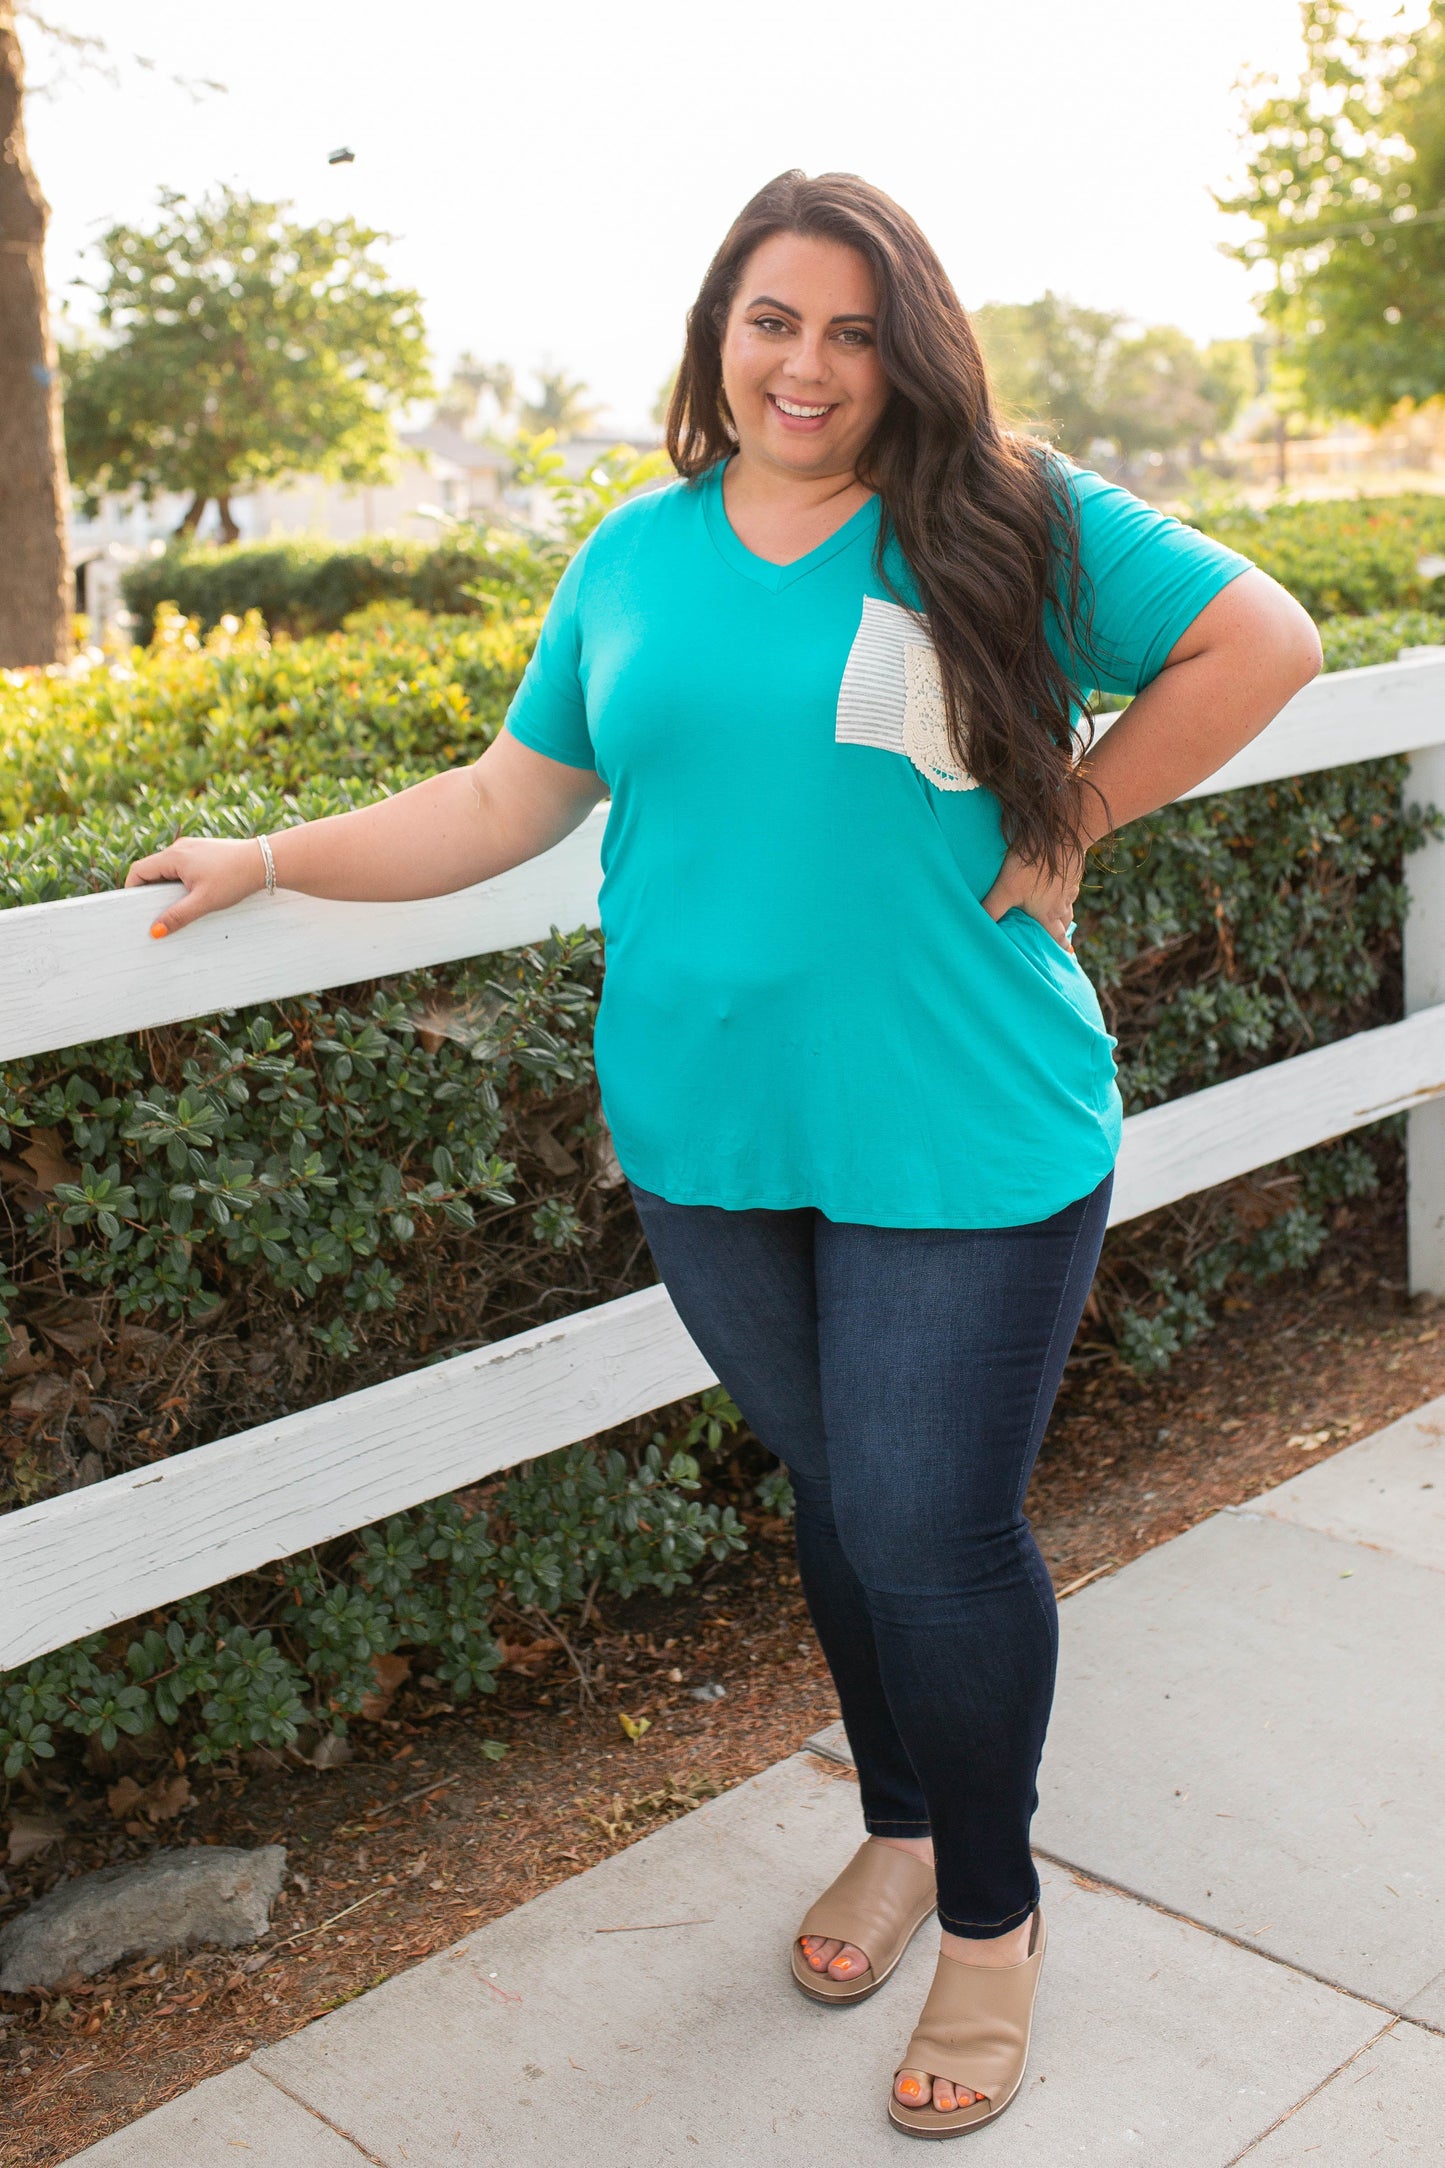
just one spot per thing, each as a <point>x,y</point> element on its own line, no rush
<point>767,300</point>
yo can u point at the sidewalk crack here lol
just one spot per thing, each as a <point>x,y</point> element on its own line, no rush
<point>1222,1934</point>
<point>1306,2098</point>
<point>337,2129</point>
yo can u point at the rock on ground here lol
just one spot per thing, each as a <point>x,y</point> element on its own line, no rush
<point>176,1899</point>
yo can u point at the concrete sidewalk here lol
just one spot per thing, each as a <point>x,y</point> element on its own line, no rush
<point>1242,1844</point>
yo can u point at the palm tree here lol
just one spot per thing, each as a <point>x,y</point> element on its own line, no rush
<point>563,404</point>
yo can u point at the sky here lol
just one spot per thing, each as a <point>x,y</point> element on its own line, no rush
<point>558,177</point>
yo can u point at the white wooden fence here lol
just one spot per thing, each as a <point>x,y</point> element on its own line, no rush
<point>73,1564</point>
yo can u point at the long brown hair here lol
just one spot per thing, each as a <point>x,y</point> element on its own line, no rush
<point>982,516</point>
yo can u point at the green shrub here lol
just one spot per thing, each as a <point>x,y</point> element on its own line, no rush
<point>277,1204</point>
<point>1342,555</point>
<point>1233,931</point>
<point>249,1664</point>
<point>309,584</point>
<point>399,696</point>
<point>305,1145</point>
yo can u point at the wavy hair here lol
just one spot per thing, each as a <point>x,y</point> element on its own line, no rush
<point>983,516</point>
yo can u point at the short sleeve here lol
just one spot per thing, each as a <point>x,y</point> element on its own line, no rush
<point>1147,577</point>
<point>549,709</point>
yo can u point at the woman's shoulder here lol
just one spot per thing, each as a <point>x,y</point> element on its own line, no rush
<point>1085,485</point>
<point>1111,519</point>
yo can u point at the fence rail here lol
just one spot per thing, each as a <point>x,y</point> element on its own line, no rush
<point>93,1557</point>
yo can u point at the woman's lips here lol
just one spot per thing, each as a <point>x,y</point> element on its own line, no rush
<point>806,417</point>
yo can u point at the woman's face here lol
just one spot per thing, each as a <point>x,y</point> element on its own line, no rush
<point>800,356</point>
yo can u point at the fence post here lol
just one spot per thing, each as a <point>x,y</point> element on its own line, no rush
<point>1424,987</point>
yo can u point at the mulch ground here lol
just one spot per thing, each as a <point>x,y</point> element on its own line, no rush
<point>424,1835</point>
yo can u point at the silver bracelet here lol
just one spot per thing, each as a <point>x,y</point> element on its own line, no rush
<point>270,865</point>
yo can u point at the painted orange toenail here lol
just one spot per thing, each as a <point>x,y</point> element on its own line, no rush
<point>910,2086</point>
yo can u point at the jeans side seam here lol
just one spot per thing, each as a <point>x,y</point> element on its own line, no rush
<point>1051,1621</point>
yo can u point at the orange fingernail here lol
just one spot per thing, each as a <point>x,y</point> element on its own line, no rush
<point>158,931</point>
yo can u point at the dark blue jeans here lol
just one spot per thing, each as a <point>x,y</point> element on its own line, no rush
<point>905,1375</point>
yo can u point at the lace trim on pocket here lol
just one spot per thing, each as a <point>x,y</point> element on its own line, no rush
<point>925,722</point>
<point>891,696</point>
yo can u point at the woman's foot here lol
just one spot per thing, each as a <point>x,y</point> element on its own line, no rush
<point>840,1960</point>
<point>913,2087</point>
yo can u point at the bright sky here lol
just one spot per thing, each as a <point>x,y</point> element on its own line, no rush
<point>558,176</point>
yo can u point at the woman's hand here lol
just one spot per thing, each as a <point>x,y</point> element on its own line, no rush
<point>217,872</point>
<point>1047,897</point>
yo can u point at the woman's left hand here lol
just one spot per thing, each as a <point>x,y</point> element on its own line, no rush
<point>1047,897</point>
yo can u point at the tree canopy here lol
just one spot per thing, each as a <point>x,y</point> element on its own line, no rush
<point>1083,375</point>
<point>1345,183</point>
<point>236,347</point>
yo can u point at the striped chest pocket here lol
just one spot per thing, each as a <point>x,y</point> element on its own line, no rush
<point>892,695</point>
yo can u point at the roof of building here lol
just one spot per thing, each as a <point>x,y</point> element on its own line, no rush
<point>442,440</point>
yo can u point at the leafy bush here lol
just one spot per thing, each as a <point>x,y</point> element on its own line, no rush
<point>313,1141</point>
<point>280,1203</point>
<point>248,1665</point>
<point>391,700</point>
<point>306,585</point>
<point>1233,931</point>
<point>1342,555</point>
<point>349,1159</point>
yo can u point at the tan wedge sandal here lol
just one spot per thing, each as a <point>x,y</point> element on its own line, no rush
<point>878,1903</point>
<point>974,2031</point>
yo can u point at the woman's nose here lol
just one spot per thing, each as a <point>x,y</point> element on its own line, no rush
<point>807,362</point>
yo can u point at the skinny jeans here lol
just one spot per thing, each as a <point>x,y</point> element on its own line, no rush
<point>904,1376</point>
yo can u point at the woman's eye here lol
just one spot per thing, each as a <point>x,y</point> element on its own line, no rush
<point>854,337</point>
<point>769,323</point>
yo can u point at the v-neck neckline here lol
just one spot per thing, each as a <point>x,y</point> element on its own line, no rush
<point>761,569</point>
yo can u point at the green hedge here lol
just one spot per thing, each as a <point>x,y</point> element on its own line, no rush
<point>1343,555</point>
<point>401,692</point>
<point>274,1205</point>
<point>308,585</point>
<point>252,1664</point>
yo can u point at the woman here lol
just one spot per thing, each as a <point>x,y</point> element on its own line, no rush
<point>834,679</point>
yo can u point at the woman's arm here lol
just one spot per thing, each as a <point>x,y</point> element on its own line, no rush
<point>458,827</point>
<point>1244,657</point>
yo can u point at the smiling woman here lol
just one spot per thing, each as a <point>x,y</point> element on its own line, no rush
<point>836,680</point>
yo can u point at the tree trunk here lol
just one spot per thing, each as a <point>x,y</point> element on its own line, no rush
<point>230,532</point>
<point>35,597</point>
<point>194,510</point>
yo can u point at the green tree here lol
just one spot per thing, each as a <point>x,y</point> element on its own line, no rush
<point>1084,377</point>
<point>1345,184</point>
<point>1049,361</point>
<point>237,348</point>
<point>562,403</point>
<point>470,384</point>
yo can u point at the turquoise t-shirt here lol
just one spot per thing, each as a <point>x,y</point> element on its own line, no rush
<point>805,1002</point>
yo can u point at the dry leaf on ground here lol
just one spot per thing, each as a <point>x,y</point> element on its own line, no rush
<point>29,1834</point>
<point>45,1156</point>
<point>391,1674</point>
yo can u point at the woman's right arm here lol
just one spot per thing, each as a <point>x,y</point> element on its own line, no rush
<point>458,827</point>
